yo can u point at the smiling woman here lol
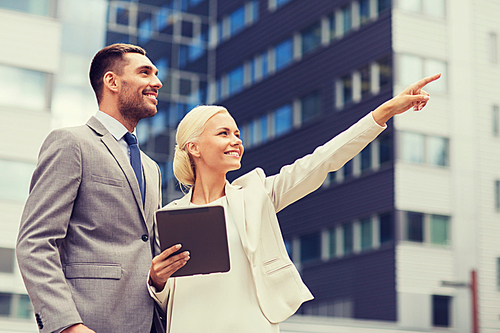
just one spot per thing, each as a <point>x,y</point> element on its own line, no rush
<point>263,287</point>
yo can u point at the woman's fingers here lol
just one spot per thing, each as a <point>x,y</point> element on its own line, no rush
<point>425,81</point>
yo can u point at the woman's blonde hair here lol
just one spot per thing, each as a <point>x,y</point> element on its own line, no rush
<point>189,130</point>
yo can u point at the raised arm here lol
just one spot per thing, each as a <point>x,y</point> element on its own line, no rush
<point>306,174</point>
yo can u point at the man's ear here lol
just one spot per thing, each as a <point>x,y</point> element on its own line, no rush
<point>192,149</point>
<point>110,81</point>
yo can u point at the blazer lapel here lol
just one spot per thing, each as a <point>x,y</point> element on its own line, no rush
<point>115,150</point>
<point>236,205</point>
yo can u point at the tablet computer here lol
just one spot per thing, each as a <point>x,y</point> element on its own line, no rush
<point>202,232</point>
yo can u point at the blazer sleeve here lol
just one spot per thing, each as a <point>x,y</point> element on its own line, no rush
<point>44,223</point>
<point>306,174</point>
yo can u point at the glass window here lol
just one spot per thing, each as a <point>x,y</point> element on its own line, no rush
<point>333,242</point>
<point>283,120</point>
<point>415,227</point>
<point>383,5</point>
<point>333,26</point>
<point>236,80</point>
<point>15,179</point>
<point>348,170</point>
<point>440,229</point>
<point>496,120</point>
<point>311,38</point>
<point>412,147</point>
<point>364,11</point>
<point>280,3</point>
<point>310,247</point>
<point>36,7</point>
<point>250,134</point>
<point>25,309</point>
<point>145,31</point>
<point>434,8</point>
<point>385,66</point>
<point>411,69</point>
<point>366,85</point>
<point>122,14</point>
<point>366,234</point>
<point>5,303</point>
<point>254,11</point>
<point>253,70</point>
<point>262,129</point>
<point>366,158</point>
<point>197,47</point>
<point>264,58</point>
<point>310,106</point>
<point>346,19</point>
<point>432,67</point>
<point>162,65</point>
<point>385,149</point>
<point>237,21</point>
<point>218,89</point>
<point>183,55</point>
<point>284,54</point>
<point>220,31</point>
<point>441,309</point>
<point>437,151</point>
<point>6,260</point>
<point>161,17</point>
<point>347,88</point>
<point>348,238</point>
<point>386,224</point>
<point>24,88</point>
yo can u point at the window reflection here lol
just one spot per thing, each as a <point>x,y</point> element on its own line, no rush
<point>236,80</point>
<point>310,247</point>
<point>412,147</point>
<point>310,106</point>
<point>15,179</point>
<point>284,54</point>
<point>24,89</point>
<point>36,7</point>
<point>311,38</point>
<point>283,120</point>
<point>437,151</point>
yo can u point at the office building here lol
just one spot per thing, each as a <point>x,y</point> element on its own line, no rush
<point>395,235</point>
<point>47,46</point>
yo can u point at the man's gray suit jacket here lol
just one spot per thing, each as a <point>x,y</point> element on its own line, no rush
<point>85,241</point>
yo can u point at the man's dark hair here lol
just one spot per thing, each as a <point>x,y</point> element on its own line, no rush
<point>108,59</point>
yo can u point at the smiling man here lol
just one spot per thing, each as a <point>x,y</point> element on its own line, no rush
<point>87,236</point>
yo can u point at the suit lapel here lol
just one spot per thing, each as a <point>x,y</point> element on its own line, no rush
<point>115,150</point>
<point>236,205</point>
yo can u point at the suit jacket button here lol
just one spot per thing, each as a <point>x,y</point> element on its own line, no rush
<point>145,238</point>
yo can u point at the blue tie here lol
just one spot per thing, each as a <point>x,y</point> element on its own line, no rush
<point>135,160</point>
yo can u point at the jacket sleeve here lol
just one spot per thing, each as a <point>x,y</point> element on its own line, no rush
<point>306,174</point>
<point>44,223</point>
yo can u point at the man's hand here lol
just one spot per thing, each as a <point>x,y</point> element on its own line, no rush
<point>78,328</point>
<point>412,97</point>
<point>163,267</point>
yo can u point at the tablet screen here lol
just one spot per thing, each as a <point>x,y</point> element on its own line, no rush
<point>202,232</point>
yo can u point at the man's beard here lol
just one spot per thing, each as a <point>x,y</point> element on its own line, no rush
<point>134,109</point>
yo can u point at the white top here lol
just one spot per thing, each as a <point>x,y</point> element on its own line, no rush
<point>220,302</point>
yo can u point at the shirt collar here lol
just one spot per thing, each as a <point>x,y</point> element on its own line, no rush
<point>112,125</point>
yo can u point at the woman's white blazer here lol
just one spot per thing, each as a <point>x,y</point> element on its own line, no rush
<point>254,199</point>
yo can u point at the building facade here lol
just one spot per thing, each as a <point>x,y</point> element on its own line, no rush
<point>44,63</point>
<point>395,234</point>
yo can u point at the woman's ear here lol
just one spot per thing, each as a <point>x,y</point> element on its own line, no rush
<point>110,81</point>
<point>192,149</point>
